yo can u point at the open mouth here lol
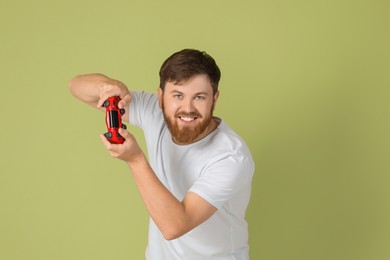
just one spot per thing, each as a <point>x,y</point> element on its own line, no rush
<point>187,118</point>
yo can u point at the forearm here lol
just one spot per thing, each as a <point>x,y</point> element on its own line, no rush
<point>168,213</point>
<point>87,87</point>
<point>173,217</point>
<point>91,88</point>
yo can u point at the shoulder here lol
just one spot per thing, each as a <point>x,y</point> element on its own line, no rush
<point>227,145</point>
<point>142,97</point>
<point>229,139</point>
<point>144,108</point>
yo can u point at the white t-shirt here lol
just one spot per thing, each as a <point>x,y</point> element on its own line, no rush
<point>219,168</point>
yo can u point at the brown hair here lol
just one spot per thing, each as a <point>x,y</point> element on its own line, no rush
<point>184,64</point>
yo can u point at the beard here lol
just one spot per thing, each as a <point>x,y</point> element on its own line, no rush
<point>187,134</point>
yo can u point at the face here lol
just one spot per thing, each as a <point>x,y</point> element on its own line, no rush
<point>188,109</point>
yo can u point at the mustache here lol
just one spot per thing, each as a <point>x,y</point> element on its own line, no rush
<point>190,114</point>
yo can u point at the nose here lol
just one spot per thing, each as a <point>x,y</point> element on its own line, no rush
<point>188,105</point>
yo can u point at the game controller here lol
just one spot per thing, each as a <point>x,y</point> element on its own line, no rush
<point>114,120</point>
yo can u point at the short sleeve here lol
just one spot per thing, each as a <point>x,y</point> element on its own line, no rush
<point>142,108</point>
<point>224,178</point>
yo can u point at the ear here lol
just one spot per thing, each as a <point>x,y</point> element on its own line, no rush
<point>160,96</point>
<point>216,95</point>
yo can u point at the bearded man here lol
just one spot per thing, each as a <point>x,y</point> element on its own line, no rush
<point>196,184</point>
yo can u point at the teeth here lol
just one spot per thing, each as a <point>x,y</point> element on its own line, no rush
<point>187,119</point>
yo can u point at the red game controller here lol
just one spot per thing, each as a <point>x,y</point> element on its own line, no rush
<point>114,120</point>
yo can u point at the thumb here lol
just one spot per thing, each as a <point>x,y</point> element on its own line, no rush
<point>125,101</point>
<point>124,133</point>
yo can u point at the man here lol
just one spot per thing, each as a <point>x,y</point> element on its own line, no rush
<point>196,185</point>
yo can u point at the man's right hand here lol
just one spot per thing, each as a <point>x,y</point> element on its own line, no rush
<point>94,89</point>
<point>115,88</point>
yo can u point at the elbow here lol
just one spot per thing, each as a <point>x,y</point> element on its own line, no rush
<point>72,84</point>
<point>171,236</point>
<point>172,233</point>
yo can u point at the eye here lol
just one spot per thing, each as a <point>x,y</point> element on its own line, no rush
<point>199,98</point>
<point>178,96</point>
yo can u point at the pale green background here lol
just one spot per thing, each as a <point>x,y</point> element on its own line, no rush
<point>305,83</point>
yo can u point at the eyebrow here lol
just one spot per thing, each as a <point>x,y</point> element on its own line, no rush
<point>181,93</point>
<point>176,91</point>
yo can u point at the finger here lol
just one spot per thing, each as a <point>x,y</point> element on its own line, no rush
<point>103,98</point>
<point>125,101</point>
<point>107,91</point>
<point>113,149</point>
<point>106,143</point>
<point>124,133</point>
<point>100,103</point>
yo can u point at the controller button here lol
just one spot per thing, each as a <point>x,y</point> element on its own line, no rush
<point>106,103</point>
